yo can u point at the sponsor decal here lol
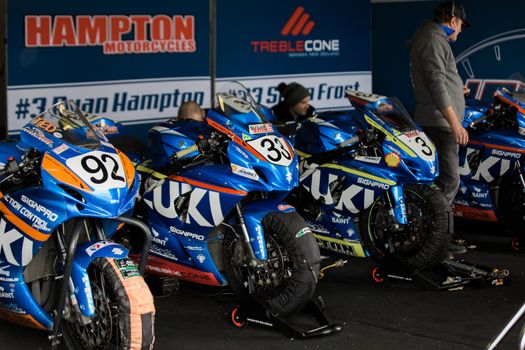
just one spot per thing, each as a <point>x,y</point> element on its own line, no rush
<point>368,159</point>
<point>392,159</point>
<point>62,148</point>
<point>107,129</point>
<point>372,183</point>
<point>299,23</point>
<point>186,233</point>
<point>6,295</point>
<point>201,258</point>
<point>341,220</point>
<point>156,238</point>
<point>116,34</point>
<point>92,249</point>
<point>384,107</point>
<point>246,137</point>
<point>260,128</point>
<point>169,191</point>
<point>10,237</point>
<point>303,232</point>
<point>37,222</point>
<point>127,268</point>
<point>498,152</point>
<point>37,134</point>
<point>245,172</point>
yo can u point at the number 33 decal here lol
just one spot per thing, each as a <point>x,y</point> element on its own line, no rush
<point>273,148</point>
<point>99,169</point>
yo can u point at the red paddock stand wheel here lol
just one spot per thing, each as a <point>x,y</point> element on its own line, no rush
<point>515,243</point>
<point>238,319</point>
<point>377,276</point>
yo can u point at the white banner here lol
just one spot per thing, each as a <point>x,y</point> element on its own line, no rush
<point>148,101</point>
<point>134,101</point>
<point>326,89</point>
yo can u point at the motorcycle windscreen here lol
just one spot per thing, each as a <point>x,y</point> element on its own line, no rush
<point>392,112</point>
<point>63,121</point>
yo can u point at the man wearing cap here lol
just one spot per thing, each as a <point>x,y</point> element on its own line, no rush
<point>439,91</point>
<point>294,106</point>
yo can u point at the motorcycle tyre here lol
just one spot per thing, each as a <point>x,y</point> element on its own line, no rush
<point>136,311</point>
<point>435,245</point>
<point>292,234</point>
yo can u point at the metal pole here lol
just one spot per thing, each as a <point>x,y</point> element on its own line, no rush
<point>507,328</point>
<point>213,21</point>
<point>3,69</point>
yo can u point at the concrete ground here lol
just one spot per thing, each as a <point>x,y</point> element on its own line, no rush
<point>392,315</point>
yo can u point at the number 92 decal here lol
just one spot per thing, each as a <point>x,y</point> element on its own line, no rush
<point>99,169</point>
<point>274,149</point>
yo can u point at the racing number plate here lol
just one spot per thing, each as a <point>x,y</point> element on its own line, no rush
<point>274,149</point>
<point>99,169</point>
<point>420,144</point>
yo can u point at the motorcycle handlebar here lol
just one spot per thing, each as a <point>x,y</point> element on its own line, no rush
<point>185,152</point>
<point>350,141</point>
<point>477,121</point>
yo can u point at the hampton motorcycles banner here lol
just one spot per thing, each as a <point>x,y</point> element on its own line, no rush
<point>324,46</point>
<point>128,60</point>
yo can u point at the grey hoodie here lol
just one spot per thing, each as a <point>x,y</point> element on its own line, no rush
<point>434,75</point>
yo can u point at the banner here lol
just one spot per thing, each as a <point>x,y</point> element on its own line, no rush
<point>324,46</point>
<point>129,60</point>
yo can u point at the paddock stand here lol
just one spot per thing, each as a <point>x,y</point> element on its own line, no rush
<point>450,274</point>
<point>253,311</point>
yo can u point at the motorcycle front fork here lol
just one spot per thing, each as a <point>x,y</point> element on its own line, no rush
<point>254,262</point>
<point>397,205</point>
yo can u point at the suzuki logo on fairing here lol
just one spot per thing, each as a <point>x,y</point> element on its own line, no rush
<point>483,171</point>
<point>347,196</point>
<point>7,239</point>
<point>177,189</point>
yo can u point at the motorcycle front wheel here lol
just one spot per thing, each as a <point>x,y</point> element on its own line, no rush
<point>423,241</point>
<point>288,279</point>
<point>124,310</point>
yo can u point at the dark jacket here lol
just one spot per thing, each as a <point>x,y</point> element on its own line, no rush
<point>435,79</point>
<point>283,115</point>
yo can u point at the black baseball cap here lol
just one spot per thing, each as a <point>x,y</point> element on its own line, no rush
<point>453,9</point>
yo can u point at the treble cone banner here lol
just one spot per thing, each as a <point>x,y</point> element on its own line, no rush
<point>323,45</point>
<point>129,60</point>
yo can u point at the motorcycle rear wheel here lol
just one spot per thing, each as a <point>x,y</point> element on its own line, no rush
<point>124,310</point>
<point>288,280</point>
<point>420,243</point>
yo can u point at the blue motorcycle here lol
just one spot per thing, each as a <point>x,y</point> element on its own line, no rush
<point>213,198</point>
<point>64,191</point>
<point>365,184</point>
<point>492,171</point>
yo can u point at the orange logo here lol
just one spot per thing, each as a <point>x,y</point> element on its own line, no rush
<point>298,23</point>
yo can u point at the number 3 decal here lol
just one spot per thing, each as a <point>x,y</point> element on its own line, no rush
<point>425,149</point>
<point>273,149</point>
<point>99,169</point>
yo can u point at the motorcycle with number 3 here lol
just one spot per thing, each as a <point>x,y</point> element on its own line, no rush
<point>492,171</point>
<point>64,192</point>
<point>365,183</point>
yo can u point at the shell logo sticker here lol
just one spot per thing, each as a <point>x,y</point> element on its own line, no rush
<point>392,160</point>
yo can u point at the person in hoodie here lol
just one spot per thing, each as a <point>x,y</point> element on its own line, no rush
<point>439,90</point>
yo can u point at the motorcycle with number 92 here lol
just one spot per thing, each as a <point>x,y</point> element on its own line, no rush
<point>65,190</point>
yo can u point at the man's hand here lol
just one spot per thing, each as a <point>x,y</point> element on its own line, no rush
<point>458,131</point>
<point>460,134</point>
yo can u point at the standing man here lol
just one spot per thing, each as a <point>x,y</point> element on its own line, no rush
<point>439,91</point>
